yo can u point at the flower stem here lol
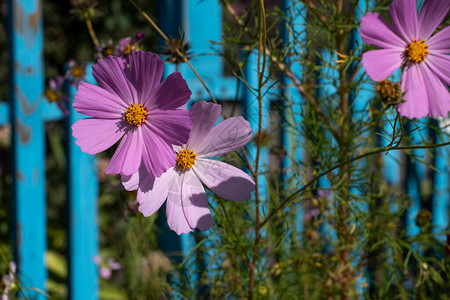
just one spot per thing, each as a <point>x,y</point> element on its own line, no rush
<point>92,32</point>
<point>261,68</point>
<point>294,195</point>
<point>179,53</point>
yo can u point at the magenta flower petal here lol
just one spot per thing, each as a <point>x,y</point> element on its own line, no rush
<point>146,71</point>
<point>440,42</point>
<point>416,105</point>
<point>173,126</point>
<point>431,15</point>
<point>204,115</point>
<point>403,14</point>
<point>105,273</point>
<point>440,65</point>
<point>94,101</point>
<point>154,192</point>
<point>54,84</point>
<point>376,31</point>
<point>95,135</point>
<point>158,156</point>
<point>112,75</point>
<point>195,203</point>
<point>131,182</point>
<point>172,93</point>
<point>381,63</point>
<point>227,136</point>
<point>225,180</point>
<point>175,215</point>
<point>121,99</point>
<point>128,156</point>
<point>438,95</point>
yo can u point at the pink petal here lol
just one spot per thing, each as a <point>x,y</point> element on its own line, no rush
<point>172,93</point>
<point>125,41</point>
<point>440,42</point>
<point>430,16</point>
<point>173,126</point>
<point>225,180</point>
<point>154,192</point>
<point>195,203</point>
<point>113,264</point>
<point>128,156</point>
<point>376,31</point>
<point>440,65</point>
<point>146,70</point>
<point>105,273</point>
<point>227,136</point>
<point>53,85</point>
<point>112,75</point>
<point>381,63</point>
<point>94,101</point>
<point>157,155</point>
<point>204,115</point>
<point>95,135</point>
<point>131,182</point>
<point>416,105</point>
<point>403,14</point>
<point>438,95</point>
<point>175,215</point>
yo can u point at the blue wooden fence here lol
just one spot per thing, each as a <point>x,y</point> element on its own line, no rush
<point>27,111</point>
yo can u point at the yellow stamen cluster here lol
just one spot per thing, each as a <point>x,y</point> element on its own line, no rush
<point>129,48</point>
<point>107,50</point>
<point>77,71</point>
<point>186,159</point>
<point>417,51</point>
<point>135,114</point>
<point>51,95</point>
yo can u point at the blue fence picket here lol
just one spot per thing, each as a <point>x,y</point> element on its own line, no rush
<point>294,32</point>
<point>25,99</point>
<point>82,191</point>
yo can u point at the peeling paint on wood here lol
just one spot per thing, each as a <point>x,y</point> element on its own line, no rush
<point>35,178</point>
<point>20,177</point>
<point>24,131</point>
<point>27,107</point>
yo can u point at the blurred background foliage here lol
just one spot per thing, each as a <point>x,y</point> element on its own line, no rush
<point>292,262</point>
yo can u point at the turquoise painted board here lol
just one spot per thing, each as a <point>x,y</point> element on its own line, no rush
<point>294,33</point>
<point>26,75</point>
<point>82,216</point>
<point>4,113</point>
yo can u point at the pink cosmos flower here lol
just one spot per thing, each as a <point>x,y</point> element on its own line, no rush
<point>55,94</point>
<point>106,268</point>
<point>187,205</point>
<point>407,42</point>
<point>127,45</point>
<point>132,104</point>
<point>9,283</point>
<point>76,73</point>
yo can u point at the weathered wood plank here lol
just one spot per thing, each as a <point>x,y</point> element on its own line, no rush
<point>82,218</point>
<point>25,97</point>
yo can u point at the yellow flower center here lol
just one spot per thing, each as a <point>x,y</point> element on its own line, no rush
<point>417,51</point>
<point>77,71</point>
<point>108,50</point>
<point>186,159</point>
<point>135,114</point>
<point>130,48</point>
<point>51,95</point>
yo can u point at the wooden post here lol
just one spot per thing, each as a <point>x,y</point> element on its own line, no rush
<point>26,88</point>
<point>82,191</point>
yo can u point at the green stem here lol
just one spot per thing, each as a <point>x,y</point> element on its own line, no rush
<point>308,184</point>
<point>92,32</point>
